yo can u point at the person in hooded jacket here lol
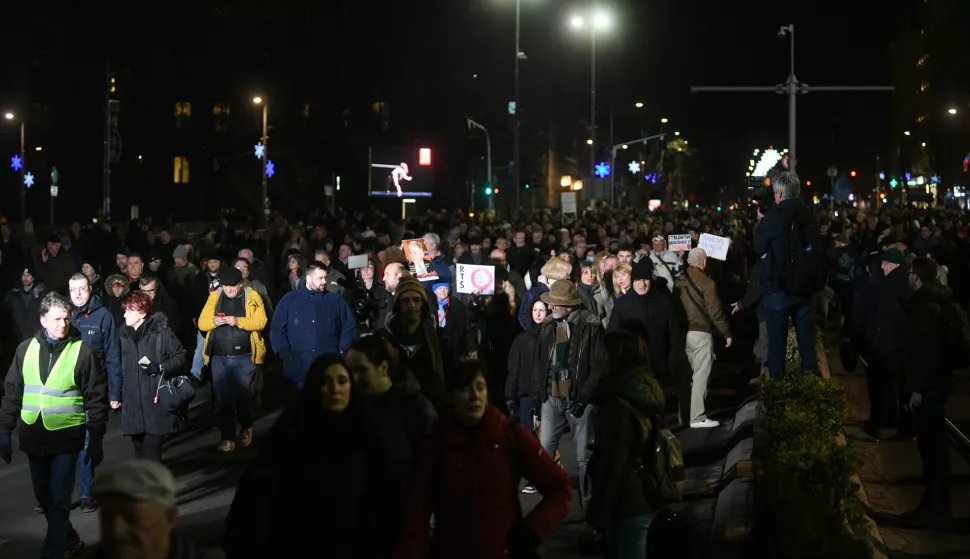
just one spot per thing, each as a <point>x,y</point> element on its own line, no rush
<point>116,288</point>
<point>467,475</point>
<point>150,355</point>
<point>627,399</point>
<point>518,385</point>
<point>320,479</point>
<point>646,310</point>
<point>411,326</point>
<point>553,270</point>
<point>98,332</point>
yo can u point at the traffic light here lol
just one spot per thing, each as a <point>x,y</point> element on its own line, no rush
<point>496,191</point>
<point>527,186</point>
<point>488,191</point>
<point>852,174</point>
<point>808,183</point>
<point>424,157</point>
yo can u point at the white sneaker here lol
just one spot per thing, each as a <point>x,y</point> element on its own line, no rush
<point>705,424</point>
<point>529,490</point>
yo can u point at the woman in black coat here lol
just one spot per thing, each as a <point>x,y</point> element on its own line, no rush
<point>150,355</point>
<point>319,481</point>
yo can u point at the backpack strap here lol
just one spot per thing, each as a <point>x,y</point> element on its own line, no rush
<point>694,301</point>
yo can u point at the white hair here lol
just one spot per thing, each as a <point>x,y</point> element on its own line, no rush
<point>696,256</point>
<point>787,184</point>
<point>431,239</point>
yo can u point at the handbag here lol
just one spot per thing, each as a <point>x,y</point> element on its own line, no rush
<point>175,392</point>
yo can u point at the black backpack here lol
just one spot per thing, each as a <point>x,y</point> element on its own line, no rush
<point>803,267</point>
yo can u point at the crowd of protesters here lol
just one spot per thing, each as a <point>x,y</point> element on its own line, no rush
<point>420,401</point>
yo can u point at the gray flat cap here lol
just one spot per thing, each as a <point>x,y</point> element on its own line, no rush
<point>141,480</point>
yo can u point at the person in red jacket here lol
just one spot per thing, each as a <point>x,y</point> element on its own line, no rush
<point>468,475</point>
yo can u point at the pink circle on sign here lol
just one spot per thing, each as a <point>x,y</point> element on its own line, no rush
<point>481,280</point>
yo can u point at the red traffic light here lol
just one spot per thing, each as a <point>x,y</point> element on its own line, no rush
<point>852,174</point>
<point>496,191</point>
<point>808,183</point>
<point>424,157</point>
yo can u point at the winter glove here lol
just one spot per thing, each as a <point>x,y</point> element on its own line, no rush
<point>6,446</point>
<point>95,453</point>
<point>150,369</point>
<point>577,409</point>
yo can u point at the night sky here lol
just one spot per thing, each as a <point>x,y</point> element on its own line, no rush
<point>423,56</point>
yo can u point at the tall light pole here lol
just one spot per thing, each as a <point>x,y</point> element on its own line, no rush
<point>488,156</point>
<point>637,105</point>
<point>792,87</point>
<point>519,55</point>
<point>599,21</point>
<point>23,164</point>
<point>264,139</point>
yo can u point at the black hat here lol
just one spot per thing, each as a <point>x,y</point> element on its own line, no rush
<point>642,270</point>
<point>153,255</point>
<point>52,238</point>
<point>30,270</point>
<point>230,276</point>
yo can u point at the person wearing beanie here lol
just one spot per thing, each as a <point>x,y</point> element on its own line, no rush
<point>310,322</point>
<point>645,310</point>
<point>22,304</point>
<point>411,325</point>
<point>233,320</point>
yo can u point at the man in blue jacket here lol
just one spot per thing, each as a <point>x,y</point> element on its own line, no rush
<point>310,322</point>
<point>770,244</point>
<point>97,328</point>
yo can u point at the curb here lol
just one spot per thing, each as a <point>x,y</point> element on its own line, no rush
<point>871,532</point>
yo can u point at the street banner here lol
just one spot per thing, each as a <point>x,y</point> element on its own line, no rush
<point>568,200</point>
<point>419,262</point>
<point>715,247</point>
<point>678,242</point>
<point>473,278</point>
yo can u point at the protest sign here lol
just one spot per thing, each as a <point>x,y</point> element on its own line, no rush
<point>715,247</point>
<point>678,242</point>
<point>472,278</point>
<point>419,261</point>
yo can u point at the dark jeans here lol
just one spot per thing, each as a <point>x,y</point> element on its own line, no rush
<point>525,413</point>
<point>930,428</point>
<point>148,446</point>
<point>778,307</point>
<point>233,379</point>
<point>53,480</point>
<point>85,468</point>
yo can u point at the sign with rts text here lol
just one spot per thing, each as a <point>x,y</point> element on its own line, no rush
<point>471,278</point>
<point>678,242</point>
<point>715,247</point>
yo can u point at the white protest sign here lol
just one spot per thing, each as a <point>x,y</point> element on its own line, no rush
<point>678,242</point>
<point>715,247</point>
<point>471,278</point>
<point>568,200</point>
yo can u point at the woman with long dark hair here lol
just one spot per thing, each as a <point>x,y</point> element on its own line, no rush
<point>319,480</point>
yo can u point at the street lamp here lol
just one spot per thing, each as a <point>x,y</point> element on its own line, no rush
<point>23,155</point>
<point>952,111</point>
<point>601,20</point>
<point>264,139</point>
<point>488,156</point>
<point>639,105</point>
<point>906,132</point>
<point>663,121</point>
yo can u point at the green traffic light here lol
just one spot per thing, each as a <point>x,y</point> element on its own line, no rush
<point>488,191</point>
<point>527,186</point>
<point>893,182</point>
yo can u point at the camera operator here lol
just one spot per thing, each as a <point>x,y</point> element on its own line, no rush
<point>367,298</point>
<point>772,240</point>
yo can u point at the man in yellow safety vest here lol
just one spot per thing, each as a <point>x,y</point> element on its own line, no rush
<point>53,380</point>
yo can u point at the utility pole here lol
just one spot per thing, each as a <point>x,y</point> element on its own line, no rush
<point>265,140</point>
<point>106,177</point>
<point>516,176</point>
<point>488,156</point>
<point>592,109</point>
<point>791,87</point>
<point>23,170</point>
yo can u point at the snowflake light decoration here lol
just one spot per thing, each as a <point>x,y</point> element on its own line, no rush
<point>602,170</point>
<point>16,162</point>
<point>634,167</point>
<point>270,169</point>
<point>28,180</point>
<point>260,150</point>
<point>935,179</point>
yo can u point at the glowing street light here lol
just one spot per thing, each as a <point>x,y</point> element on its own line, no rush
<point>952,111</point>
<point>663,121</point>
<point>8,116</point>
<point>906,132</point>
<point>602,20</point>
<point>624,146</point>
<point>923,144</point>
<point>676,133</point>
<point>589,142</point>
<point>577,22</point>
<point>257,99</point>
<point>639,105</point>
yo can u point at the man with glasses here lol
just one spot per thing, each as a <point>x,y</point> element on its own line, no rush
<point>97,328</point>
<point>162,302</point>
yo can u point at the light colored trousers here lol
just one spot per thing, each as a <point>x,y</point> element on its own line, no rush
<point>700,353</point>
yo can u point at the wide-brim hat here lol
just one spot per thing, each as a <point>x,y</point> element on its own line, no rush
<point>564,294</point>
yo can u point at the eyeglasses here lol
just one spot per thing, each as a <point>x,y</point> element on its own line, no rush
<point>80,289</point>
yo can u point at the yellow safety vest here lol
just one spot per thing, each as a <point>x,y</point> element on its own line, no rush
<point>58,401</point>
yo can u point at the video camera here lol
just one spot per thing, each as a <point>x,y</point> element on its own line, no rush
<point>362,304</point>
